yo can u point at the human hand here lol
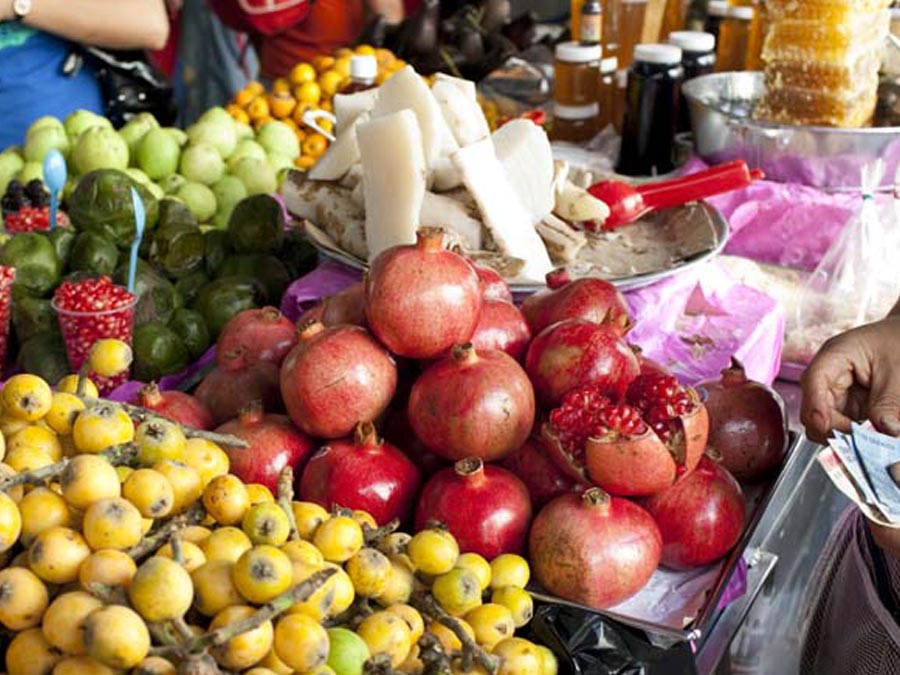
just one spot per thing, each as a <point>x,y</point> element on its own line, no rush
<point>6,10</point>
<point>855,376</point>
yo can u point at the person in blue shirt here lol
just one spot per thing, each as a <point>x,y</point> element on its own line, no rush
<point>36,38</point>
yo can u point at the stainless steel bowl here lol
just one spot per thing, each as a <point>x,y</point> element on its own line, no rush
<point>721,108</point>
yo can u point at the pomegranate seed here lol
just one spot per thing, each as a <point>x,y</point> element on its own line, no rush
<point>585,413</point>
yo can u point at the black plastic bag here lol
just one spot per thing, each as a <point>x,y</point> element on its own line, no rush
<point>590,644</point>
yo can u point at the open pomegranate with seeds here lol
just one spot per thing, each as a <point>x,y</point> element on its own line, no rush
<point>629,449</point>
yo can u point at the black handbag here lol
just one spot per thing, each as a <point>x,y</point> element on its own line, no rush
<point>129,83</point>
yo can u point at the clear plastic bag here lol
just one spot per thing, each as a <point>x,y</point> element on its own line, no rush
<point>857,280</point>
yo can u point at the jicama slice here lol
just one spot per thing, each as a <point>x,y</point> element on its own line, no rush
<point>462,113</point>
<point>441,211</point>
<point>524,151</point>
<point>467,87</point>
<point>507,220</point>
<point>393,179</point>
<point>347,107</point>
<point>330,208</point>
<point>563,242</point>
<point>341,155</point>
<point>407,90</point>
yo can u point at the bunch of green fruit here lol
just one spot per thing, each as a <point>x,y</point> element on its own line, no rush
<point>209,167</point>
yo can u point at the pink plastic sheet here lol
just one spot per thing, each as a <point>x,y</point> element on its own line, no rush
<point>782,224</point>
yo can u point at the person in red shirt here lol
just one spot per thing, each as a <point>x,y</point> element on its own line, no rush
<point>298,30</point>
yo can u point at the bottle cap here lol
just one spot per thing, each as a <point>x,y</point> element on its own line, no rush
<point>693,40</point>
<point>575,52</point>
<point>363,67</point>
<point>576,112</point>
<point>717,8</point>
<point>653,53</point>
<point>741,13</point>
<point>609,65</point>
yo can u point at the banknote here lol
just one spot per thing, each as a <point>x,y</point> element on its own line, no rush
<point>876,453</point>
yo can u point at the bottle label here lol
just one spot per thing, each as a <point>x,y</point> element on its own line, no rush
<point>591,29</point>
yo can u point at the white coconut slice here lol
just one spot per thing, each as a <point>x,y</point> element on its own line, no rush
<point>347,107</point>
<point>507,220</point>
<point>341,155</point>
<point>394,173</point>
<point>461,112</point>
<point>525,153</point>
<point>442,211</point>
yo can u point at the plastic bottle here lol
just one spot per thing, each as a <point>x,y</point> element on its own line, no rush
<point>363,71</point>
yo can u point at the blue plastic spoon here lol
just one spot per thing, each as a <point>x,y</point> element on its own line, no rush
<point>55,175</point>
<point>140,219</point>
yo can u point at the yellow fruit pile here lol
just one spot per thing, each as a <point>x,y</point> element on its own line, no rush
<point>309,86</point>
<point>134,549</point>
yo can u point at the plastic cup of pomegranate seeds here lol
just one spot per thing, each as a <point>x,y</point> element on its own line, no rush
<point>7,276</point>
<point>91,310</point>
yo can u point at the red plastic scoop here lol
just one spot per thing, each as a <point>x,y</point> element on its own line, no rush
<point>627,203</point>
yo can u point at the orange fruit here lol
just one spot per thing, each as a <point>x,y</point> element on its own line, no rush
<point>342,65</point>
<point>301,134</point>
<point>365,50</point>
<point>384,57</point>
<point>281,105</point>
<point>315,145</point>
<point>343,52</point>
<point>281,86</point>
<point>322,63</point>
<point>238,113</point>
<point>305,162</point>
<point>244,96</point>
<point>255,88</point>
<point>258,109</point>
<point>299,111</point>
<point>329,81</point>
<point>302,72</point>
<point>327,106</point>
<point>309,92</point>
<point>291,123</point>
<point>262,121</point>
<point>325,124</point>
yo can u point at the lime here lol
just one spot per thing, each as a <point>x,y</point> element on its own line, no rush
<point>158,153</point>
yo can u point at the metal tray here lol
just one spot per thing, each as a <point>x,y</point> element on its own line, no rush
<point>663,228</point>
<point>759,496</point>
<point>721,108</point>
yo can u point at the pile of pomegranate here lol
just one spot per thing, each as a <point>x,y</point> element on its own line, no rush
<point>424,394</point>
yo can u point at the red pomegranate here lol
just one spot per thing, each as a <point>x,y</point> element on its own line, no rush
<point>472,404</point>
<point>486,508</point>
<point>422,299</point>
<point>577,352</point>
<point>399,432</point>
<point>336,377</point>
<point>362,472</point>
<point>234,383</point>
<point>629,449</point>
<point>648,365</point>
<point>502,327</point>
<point>274,444</point>
<point>590,298</point>
<point>594,549</point>
<point>346,306</point>
<point>701,517</point>
<point>492,284</point>
<point>747,423</point>
<point>176,406</point>
<point>539,472</point>
<point>264,335</point>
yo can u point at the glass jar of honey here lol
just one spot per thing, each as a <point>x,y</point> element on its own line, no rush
<point>575,124</point>
<point>576,72</point>
<point>630,29</point>
<point>734,40</point>
<point>607,96</point>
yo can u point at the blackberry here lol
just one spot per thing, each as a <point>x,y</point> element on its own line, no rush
<point>15,188</point>
<point>36,193</point>
<point>10,203</point>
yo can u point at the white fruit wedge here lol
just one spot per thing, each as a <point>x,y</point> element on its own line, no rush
<point>525,153</point>
<point>347,107</point>
<point>407,90</point>
<point>461,112</point>
<point>467,87</point>
<point>575,204</point>
<point>394,173</point>
<point>341,155</point>
<point>442,211</point>
<point>507,220</point>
